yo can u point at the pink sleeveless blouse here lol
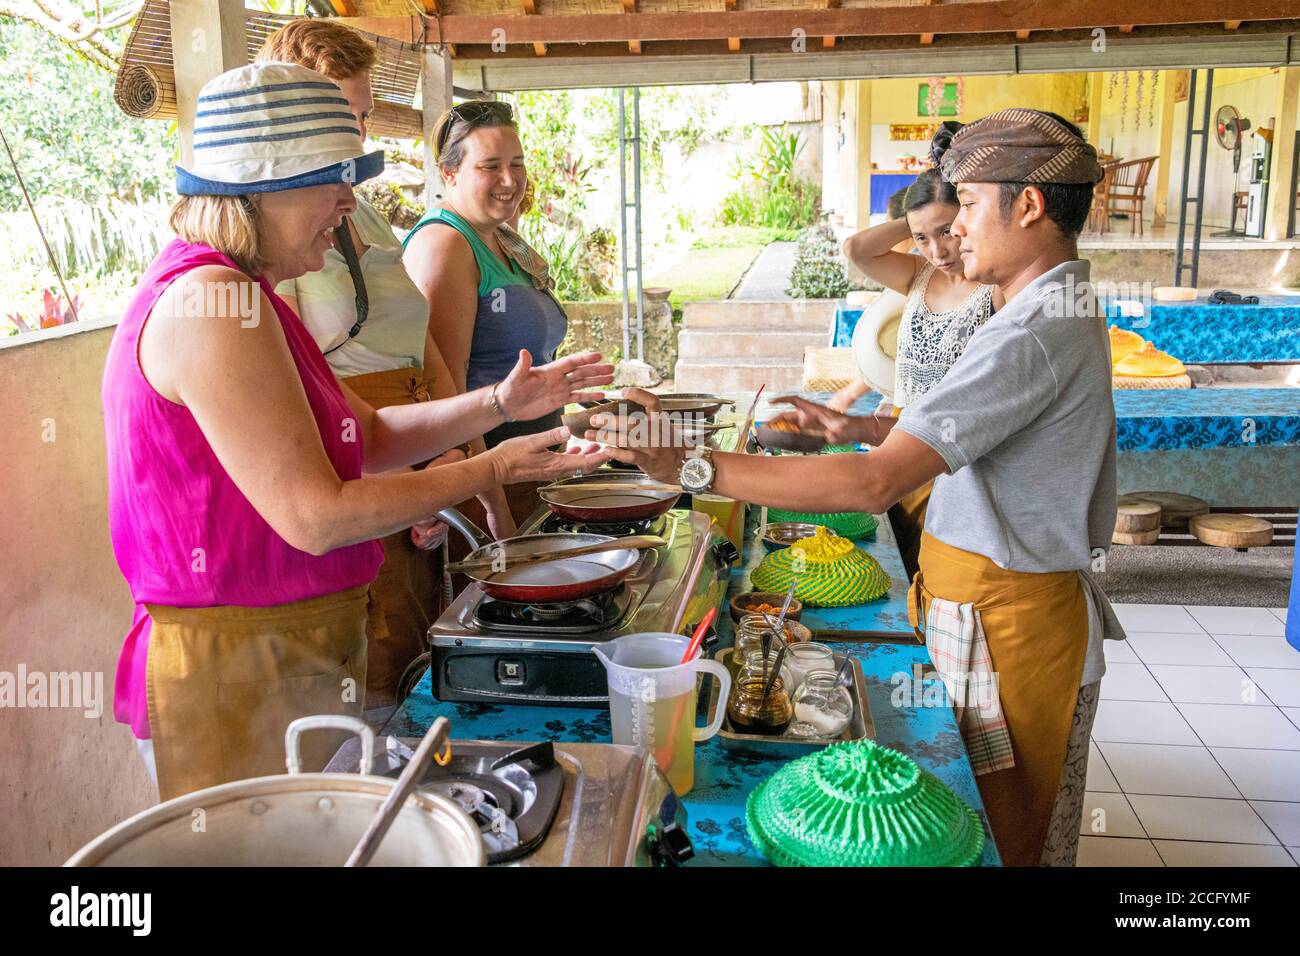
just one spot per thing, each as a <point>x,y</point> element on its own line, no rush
<point>183,533</point>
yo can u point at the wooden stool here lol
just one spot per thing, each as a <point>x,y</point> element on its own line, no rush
<point>1232,530</point>
<point>1175,509</point>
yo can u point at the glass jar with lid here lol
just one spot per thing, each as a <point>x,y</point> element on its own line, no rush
<point>748,710</point>
<point>804,658</point>
<point>822,706</point>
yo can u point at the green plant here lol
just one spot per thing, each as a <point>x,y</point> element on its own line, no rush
<point>770,192</point>
<point>819,270</point>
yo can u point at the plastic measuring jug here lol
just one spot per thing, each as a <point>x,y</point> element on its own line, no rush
<point>652,699</point>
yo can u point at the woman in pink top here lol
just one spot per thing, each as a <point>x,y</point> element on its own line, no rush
<point>245,485</point>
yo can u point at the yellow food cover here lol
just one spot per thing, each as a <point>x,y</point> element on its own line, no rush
<point>1123,343</point>
<point>1150,362</point>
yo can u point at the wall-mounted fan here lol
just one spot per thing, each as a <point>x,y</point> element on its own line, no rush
<point>1230,129</point>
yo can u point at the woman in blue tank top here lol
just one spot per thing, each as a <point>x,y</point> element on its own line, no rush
<point>484,305</point>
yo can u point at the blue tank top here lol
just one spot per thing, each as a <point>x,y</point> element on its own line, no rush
<point>511,315</point>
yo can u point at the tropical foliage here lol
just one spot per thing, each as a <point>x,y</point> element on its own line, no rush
<point>770,192</point>
<point>819,270</point>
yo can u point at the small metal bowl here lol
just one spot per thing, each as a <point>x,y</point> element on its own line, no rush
<point>782,534</point>
<point>741,602</point>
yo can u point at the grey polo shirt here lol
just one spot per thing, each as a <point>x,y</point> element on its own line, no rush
<point>1025,422</point>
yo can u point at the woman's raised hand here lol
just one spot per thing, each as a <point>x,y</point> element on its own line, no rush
<point>529,392</point>
<point>530,458</point>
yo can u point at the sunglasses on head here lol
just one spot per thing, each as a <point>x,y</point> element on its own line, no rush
<point>472,113</point>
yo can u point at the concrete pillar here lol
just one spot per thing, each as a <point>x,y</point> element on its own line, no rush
<point>208,38</point>
<point>1281,197</point>
<point>862,168</point>
<point>435,99</point>
<point>1166,160</point>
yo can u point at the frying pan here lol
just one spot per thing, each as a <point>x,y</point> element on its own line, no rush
<point>555,580</point>
<point>568,499</point>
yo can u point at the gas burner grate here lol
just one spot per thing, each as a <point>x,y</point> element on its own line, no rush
<point>586,616</point>
<point>616,529</point>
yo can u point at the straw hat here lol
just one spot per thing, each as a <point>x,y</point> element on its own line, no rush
<point>272,126</point>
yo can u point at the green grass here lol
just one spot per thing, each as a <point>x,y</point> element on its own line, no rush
<point>731,237</point>
<point>706,273</point>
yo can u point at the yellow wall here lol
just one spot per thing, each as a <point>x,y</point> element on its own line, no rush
<point>894,100</point>
<point>66,778</point>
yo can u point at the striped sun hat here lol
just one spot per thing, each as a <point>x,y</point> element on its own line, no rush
<point>271,126</point>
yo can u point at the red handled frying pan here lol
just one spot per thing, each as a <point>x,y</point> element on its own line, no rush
<point>629,502</point>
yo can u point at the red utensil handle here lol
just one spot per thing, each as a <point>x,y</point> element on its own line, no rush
<point>698,636</point>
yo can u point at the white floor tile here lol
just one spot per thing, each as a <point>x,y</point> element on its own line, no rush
<point>1109,814</point>
<point>1262,774</point>
<point>1282,818</point>
<point>1130,682</point>
<point>1167,618</point>
<point>1282,685</point>
<point>1100,779</point>
<point>1165,770</point>
<point>1237,620</point>
<point>1292,714</point>
<point>1141,722</point>
<point>1208,685</point>
<point>1258,651</point>
<point>1198,818</point>
<point>1191,649</point>
<point>1186,853</point>
<point>1119,652</point>
<point>1279,613</point>
<point>1113,851</point>
<point>1241,725</point>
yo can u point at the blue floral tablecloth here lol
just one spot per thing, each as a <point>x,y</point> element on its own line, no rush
<point>1202,334</point>
<point>1195,332</point>
<point>725,778</point>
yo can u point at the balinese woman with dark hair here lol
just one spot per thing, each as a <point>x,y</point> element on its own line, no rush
<point>944,308</point>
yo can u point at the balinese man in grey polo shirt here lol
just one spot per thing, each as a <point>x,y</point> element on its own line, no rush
<point>1020,437</point>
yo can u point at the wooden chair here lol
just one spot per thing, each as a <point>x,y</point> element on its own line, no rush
<point>1240,203</point>
<point>1099,216</point>
<point>1125,190</point>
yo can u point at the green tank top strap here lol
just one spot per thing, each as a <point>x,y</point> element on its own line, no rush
<point>493,273</point>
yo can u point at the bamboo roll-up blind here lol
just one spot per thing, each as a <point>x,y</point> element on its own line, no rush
<point>146,86</point>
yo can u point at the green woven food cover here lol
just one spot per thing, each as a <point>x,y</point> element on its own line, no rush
<point>857,579</point>
<point>853,525</point>
<point>861,804</point>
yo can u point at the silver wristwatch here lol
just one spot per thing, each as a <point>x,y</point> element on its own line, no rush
<point>696,474</point>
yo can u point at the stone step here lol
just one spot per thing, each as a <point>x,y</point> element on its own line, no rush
<point>719,343</point>
<point>723,376</point>
<point>756,314</point>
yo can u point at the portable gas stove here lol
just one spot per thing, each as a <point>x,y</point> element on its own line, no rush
<point>490,651</point>
<point>545,804</point>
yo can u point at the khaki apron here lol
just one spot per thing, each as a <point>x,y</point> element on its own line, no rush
<point>1037,631</point>
<point>407,593</point>
<point>907,519</point>
<point>223,684</point>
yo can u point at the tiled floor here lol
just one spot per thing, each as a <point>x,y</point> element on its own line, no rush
<point>1195,757</point>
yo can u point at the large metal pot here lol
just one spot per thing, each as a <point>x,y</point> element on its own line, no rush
<point>299,819</point>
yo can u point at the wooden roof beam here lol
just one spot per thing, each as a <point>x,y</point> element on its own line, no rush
<point>900,21</point>
<point>1231,24</point>
<point>733,44</point>
<point>530,9</point>
<point>1023,34</point>
<point>1128,28</point>
<point>927,39</point>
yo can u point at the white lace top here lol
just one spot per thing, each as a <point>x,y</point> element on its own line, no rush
<point>930,342</point>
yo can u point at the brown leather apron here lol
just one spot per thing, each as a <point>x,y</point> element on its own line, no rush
<point>1037,631</point>
<point>223,684</point>
<point>408,592</point>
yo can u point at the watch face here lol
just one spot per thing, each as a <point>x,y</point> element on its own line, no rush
<point>697,474</point>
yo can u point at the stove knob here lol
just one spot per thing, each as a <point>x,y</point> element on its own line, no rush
<point>670,845</point>
<point>726,553</point>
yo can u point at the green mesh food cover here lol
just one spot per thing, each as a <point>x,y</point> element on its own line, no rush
<point>833,572</point>
<point>861,804</point>
<point>848,524</point>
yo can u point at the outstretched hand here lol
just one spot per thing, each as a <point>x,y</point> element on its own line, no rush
<point>839,428</point>
<point>531,458</point>
<point>653,443</point>
<point>529,392</point>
